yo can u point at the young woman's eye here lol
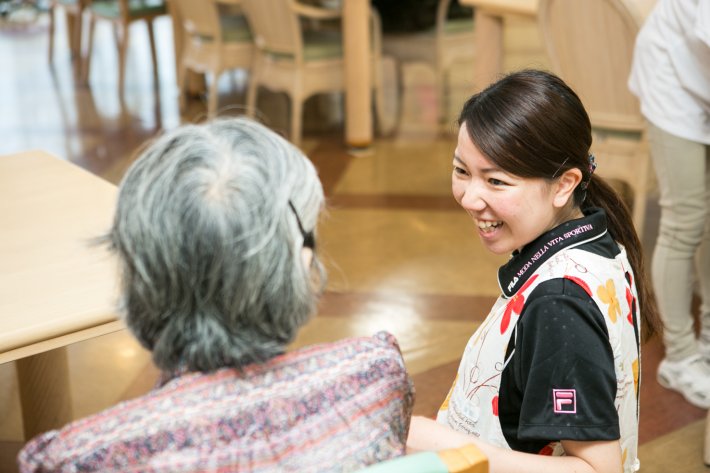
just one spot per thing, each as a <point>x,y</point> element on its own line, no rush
<point>460,171</point>
<point>495,182</point>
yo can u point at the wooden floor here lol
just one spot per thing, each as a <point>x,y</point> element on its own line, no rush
<point>401,256</point>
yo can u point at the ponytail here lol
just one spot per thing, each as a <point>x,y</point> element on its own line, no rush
<point>620,225</point>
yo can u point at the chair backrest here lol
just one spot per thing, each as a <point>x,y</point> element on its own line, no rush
<point>276,27</point>
<point>199,18</point>
<point>590,45</point>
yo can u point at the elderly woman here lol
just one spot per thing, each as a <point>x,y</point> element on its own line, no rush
<point>215,234</point>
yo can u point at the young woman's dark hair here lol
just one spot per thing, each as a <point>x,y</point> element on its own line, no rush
<point>531,124</point>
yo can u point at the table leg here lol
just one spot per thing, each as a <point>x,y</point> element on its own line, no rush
<point>706,454</point>
<point>45,395</point>
<point>73,24</point>
<point>488,37</point>
<point>358,74</point>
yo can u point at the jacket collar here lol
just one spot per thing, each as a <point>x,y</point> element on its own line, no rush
<point>525,262</point>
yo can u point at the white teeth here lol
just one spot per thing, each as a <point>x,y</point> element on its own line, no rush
<point>487,225</point>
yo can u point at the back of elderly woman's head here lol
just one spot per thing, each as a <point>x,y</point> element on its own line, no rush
<point>210,231</point>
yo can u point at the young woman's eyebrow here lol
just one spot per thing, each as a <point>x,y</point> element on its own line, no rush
<point>483,171</point>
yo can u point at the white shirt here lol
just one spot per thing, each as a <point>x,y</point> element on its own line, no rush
<point>670,73</point>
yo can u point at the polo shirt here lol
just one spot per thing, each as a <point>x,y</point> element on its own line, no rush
<point>560,339</point>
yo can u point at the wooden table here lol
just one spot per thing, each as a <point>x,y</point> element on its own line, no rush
<point>55,287</point>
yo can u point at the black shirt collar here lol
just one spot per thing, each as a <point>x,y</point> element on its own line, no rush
<point>525,262</point>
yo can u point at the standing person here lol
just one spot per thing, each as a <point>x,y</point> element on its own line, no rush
<point>671,77</point>
<point>214,231</point>
<point>554,368</point>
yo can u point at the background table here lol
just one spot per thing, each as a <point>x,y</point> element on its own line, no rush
<point>488,34</point>
<point>56,288</point>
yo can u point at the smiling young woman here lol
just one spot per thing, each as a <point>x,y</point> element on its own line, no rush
<point>550,380</point>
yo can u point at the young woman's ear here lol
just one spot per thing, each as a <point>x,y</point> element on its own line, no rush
<point>565,186</point>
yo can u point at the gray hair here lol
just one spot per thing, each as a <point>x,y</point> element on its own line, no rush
<point>212,273</point>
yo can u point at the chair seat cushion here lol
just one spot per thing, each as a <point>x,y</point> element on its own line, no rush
<point>136,8</point>
<point>322,45</point>
<point>451,26</point>
<point>458,25</point>
<point>317,45</point>
<point>235,28</point>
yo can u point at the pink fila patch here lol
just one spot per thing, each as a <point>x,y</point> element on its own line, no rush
<point>564,401</point>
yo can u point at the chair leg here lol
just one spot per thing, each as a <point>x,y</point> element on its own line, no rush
<point>399,84</point>
<point>640,192</point>
<point>296,119</point>
<point>75,40</point>
<point>117,34</point>
<point>183,82</point>
<point>442,92</point>
<point>72,25</point>
<point>706,457</point>
<point>153,54</point>
<point>52,13</point>
<point>386,67</point>
<point>639,211</point>
<point>213,95</point>
<point>89,49</point>
<point>439,85</point>
<point>252,89</point>
<point>122,51</point>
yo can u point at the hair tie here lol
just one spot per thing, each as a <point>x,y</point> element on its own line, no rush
<point>592,168</point>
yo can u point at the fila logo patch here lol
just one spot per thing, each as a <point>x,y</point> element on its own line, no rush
<point>564,401</point>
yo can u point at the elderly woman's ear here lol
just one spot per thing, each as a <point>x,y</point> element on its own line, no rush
<point>306,257</point>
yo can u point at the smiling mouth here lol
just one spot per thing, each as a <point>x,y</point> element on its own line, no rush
<point>487,226</point>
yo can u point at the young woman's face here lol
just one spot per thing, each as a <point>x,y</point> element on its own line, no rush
<point>509,211</point>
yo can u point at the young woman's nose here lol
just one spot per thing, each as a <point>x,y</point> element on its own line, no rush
<point>472,198</point>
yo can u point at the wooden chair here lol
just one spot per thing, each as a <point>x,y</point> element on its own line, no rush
<point>301,62</point>
<point>212,43</point>
<point>122,13</point>
<point>74,11</point>
<point>466,459</point>
<point>442,47</point>
<point>590,45</point>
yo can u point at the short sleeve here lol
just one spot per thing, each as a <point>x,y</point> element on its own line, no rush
<point>560,383</point>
